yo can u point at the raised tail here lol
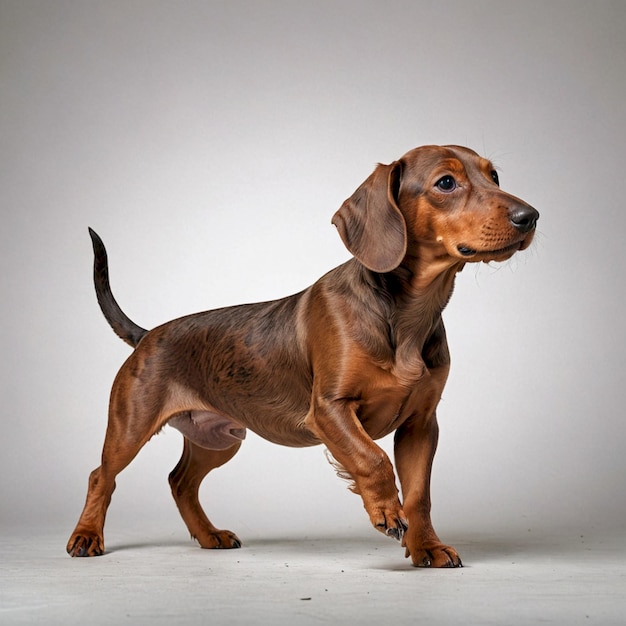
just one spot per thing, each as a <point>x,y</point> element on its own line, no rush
<point>123,326</point>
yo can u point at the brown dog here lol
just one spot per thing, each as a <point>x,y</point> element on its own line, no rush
<point>359,354</point>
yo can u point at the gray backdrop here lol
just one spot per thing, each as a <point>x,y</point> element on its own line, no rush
<point>209,143</point>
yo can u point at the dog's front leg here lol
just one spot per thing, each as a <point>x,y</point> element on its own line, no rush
<point>336,424</point>
<point>415,445</point>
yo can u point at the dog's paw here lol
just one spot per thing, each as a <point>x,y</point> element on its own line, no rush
<point>219,540</point>
<point>390,523</point>
<point>85,544</point>
<point>435,555</point>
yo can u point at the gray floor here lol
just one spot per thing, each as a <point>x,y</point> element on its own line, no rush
<point>157,578</point>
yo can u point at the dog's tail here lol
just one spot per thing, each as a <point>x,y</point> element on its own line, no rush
<point>123,326</point>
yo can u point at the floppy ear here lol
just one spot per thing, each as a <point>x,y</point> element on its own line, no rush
<point>370,222</point>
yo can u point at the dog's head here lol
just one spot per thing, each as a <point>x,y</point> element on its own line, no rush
<point>444,198</point>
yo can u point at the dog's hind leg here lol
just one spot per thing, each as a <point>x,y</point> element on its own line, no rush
<point>135,415</point>
<point>120,448</point>
<point>195,463</point>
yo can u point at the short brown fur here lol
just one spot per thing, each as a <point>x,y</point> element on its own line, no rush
<point>358,355</point>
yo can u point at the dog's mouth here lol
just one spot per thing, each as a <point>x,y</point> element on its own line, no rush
<point>467,252</point>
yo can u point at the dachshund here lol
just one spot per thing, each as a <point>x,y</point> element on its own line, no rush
<point>359,354</point>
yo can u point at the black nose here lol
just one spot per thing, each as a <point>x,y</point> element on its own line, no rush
<point>523,217</point>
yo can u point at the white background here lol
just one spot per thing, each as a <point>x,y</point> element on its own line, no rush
<point>209,143</point>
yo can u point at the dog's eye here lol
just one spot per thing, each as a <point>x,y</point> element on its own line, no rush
<point>446,183</point>
<point>496,178</point>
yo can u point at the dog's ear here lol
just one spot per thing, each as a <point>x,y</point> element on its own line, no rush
<point>370,222</point>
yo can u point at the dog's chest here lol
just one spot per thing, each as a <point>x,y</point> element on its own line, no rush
<point>388,400</point>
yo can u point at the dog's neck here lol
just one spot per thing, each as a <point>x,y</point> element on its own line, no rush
<point>420,288</point>
<point>417,292</point>
<point>423,284</point>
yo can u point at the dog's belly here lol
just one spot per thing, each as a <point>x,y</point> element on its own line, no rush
<point>276,420</point>
<point>218,418</point>
<point>290,434</point>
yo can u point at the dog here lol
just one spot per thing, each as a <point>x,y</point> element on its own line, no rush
<point>359,354</point>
